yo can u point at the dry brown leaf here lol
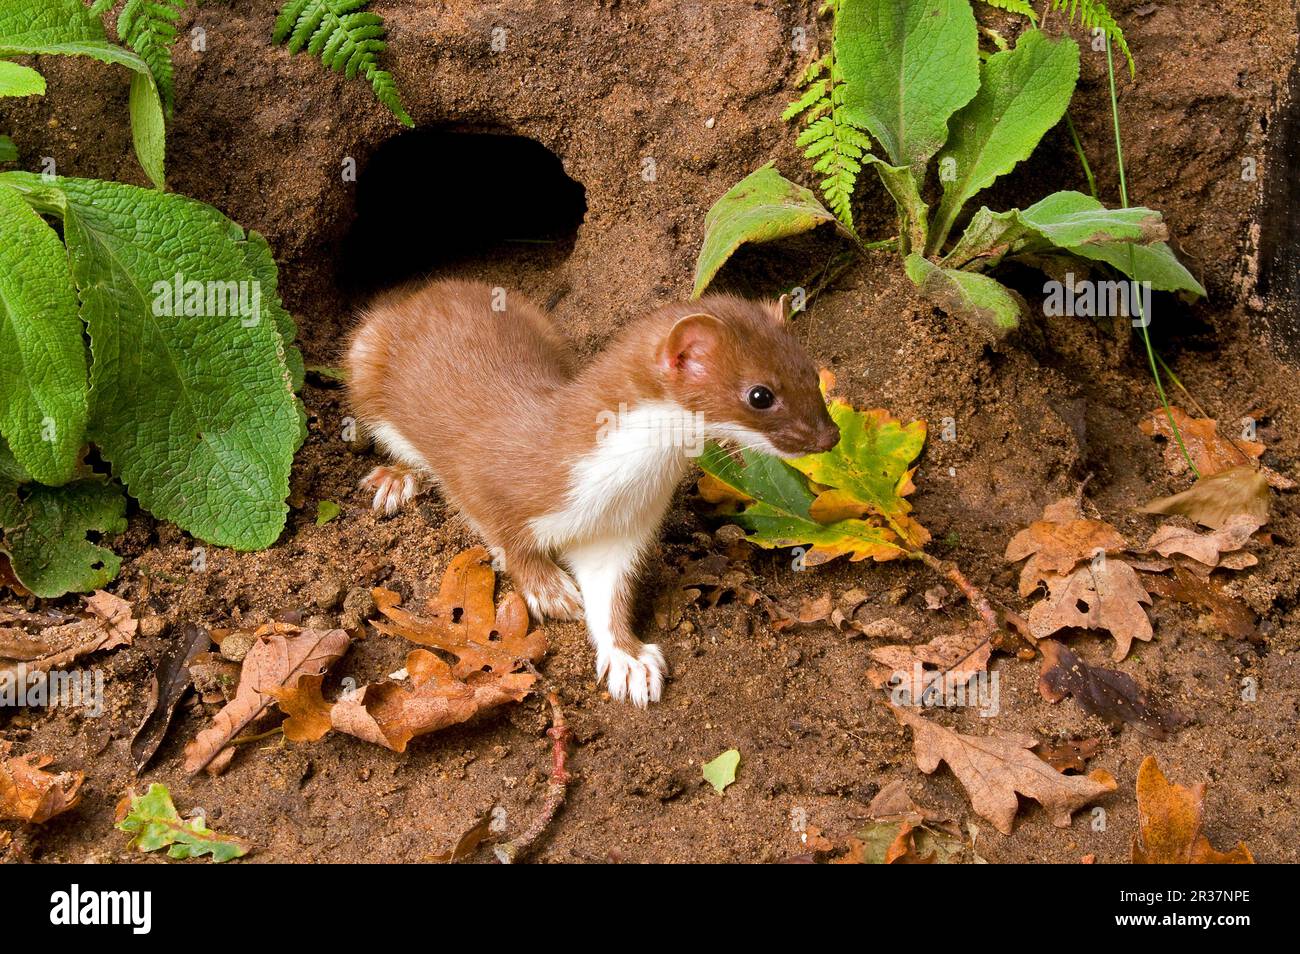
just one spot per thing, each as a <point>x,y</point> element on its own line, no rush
<point>1210,451</point>
<point>1215,500</point>
<point>106,624</point>
<point>1056,546</point>
<point>938,667</point>
<point>282,655</point>
<point>1227,616</point>
<point>28,793</point>
<point>1069,756</point>
<point>1109,694</point>
<point>490,644</point>
<point>1170,818</point>
<point>1205,548</point>
<point>1105,594</point>
<point>993,768</point>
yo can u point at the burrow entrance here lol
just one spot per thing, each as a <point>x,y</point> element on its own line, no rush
<point>431,200</point>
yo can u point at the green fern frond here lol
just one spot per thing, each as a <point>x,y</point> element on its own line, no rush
<point>100,7</point>
<point>343,36</point>
<point>1093,15</point>
<point>828,138</point>
<point>148,27</point>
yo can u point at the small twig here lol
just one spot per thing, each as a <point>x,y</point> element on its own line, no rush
<point>973,594</point>
<point>512,851</point>
<point>245,739</point>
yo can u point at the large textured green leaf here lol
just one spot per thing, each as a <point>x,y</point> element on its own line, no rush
<point>42,356</point>
<point>1023,93</point>
<point>45,534</point>
<point>19,80</point>
<point>1063,220</point>
<point>193,407</point>
<point>909,65</point>
<point>761,207</point>
<point>66,27</point>
<point>262,264</point>
<point>987,303</point>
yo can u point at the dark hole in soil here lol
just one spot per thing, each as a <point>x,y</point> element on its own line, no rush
<point>431,199</point>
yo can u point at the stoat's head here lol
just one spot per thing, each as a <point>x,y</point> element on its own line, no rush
<point>736,364</point>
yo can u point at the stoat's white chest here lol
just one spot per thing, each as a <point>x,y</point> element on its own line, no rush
<point>621,488</point>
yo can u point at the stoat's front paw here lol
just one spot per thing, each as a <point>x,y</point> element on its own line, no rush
<point>638,679</point>
<point>393,487</point>
<point>557,598</point>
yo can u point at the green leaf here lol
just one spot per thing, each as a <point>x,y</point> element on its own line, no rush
<point>43,404</point>
<point>867,471</point>
<point>65,27</point>
<point>8,151</point>
<point>191,401</point>
<point>987,303</point>
<point>19,80</point>
<point>1023,93</point>
<point>148,128</point>
<point>913,213</point>
<point>908,66</point>
<point>154,823</point>
<point>761,207</point>
<point>1130,239</point>
<point>262,264</point>
<point>45,534</point>
<point>1155,263</point>
<point>776,509</point>
<point>1064,220</point>
<point>326,510</point>
<point>721,772</point>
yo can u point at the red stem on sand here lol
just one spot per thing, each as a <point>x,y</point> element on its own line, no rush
<point>517,848</point>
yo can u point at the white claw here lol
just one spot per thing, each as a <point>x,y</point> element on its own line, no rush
<point>638,679</point>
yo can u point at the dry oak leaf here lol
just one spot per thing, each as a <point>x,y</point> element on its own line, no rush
<point>1210,451</point>
<point>1105,594</point>
<point>1058,542</point>
<point>993,768</point>
<point>1169,824</point>
<point>1111,695</point>
<point>490,645</point>
<point>282,655</point>
<point>939,667</point>
<point>28,793</point>
<point>107,623</point>
<point>1215,500</point>
<point>1205,548</point>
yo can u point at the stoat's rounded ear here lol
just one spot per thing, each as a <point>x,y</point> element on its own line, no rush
<point>686,348</point>
<point>783,309</point>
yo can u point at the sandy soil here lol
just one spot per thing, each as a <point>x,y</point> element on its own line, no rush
<point>604,85</point>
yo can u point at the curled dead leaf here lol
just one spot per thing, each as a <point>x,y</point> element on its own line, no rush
<point>30,794</point>
<point>1215,500</point>
<point>1109,694</point>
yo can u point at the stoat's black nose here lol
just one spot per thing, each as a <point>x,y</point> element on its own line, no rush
<point>827,438</point>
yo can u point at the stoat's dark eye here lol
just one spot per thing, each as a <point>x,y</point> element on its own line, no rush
<point>760,397</point>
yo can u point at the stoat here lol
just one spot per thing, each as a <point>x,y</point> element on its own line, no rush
<point>566,468</point>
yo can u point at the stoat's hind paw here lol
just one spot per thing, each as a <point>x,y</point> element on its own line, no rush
<point>638,679</point>
<point>393,487</point>
<point>555,598</point>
